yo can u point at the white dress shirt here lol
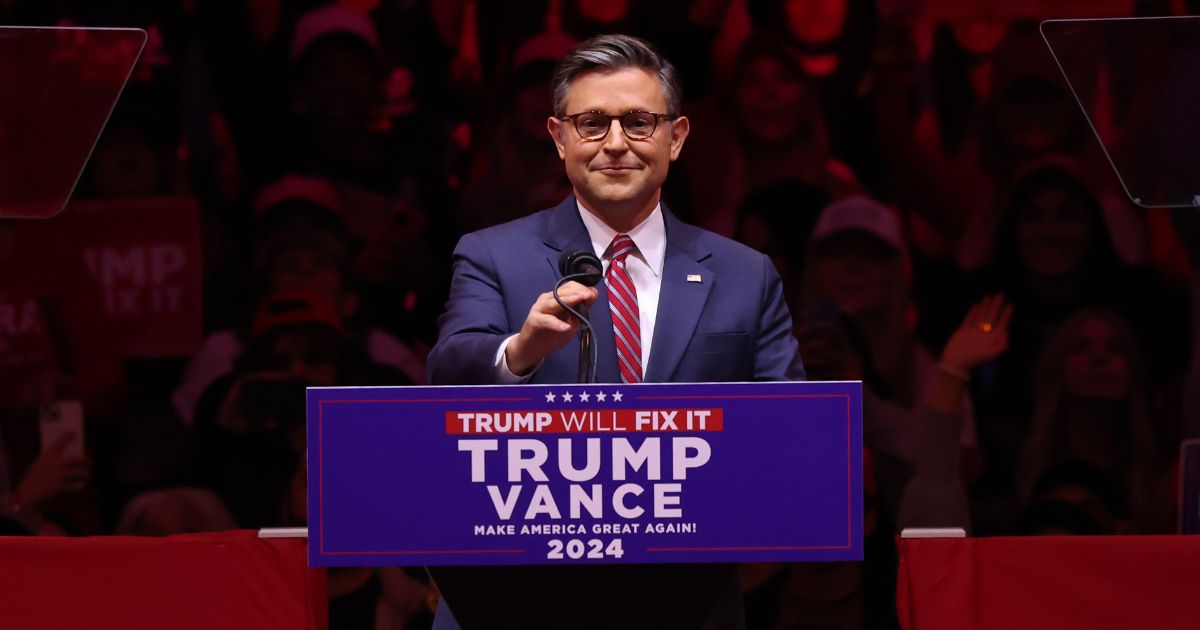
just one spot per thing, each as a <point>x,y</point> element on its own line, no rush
<point>644,264</point>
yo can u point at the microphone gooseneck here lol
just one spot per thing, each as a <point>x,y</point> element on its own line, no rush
<point>585,268</point>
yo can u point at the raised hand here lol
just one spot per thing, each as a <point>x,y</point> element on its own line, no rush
<point>981,337</point>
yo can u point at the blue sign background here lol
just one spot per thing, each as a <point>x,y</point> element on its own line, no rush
<point>389,486</point>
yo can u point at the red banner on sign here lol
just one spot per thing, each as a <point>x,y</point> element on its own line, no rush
<point>584,421</point>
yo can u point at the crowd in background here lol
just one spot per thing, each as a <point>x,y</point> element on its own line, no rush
<point>946,226</point>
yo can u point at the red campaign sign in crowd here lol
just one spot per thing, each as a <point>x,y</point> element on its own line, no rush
<point>106,280</point>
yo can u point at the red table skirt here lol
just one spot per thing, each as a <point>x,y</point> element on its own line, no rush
<point>227,580</point>
<point>1098,583</point>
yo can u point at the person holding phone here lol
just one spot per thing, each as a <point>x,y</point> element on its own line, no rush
<point>60,469</point>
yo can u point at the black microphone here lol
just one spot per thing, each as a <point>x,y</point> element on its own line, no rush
<point>583,264</point>
<point>583,267</point>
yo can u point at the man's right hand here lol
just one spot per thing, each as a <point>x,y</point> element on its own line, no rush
<point>548,327</point>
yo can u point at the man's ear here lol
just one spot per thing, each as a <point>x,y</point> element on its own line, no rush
<point>555,126</point>
<point>679,132</point>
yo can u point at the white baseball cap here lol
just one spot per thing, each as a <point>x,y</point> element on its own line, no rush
<point>860,213</point>
<point>293,187</point>
<point>332,19</point>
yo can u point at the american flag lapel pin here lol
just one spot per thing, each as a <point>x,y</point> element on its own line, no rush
<point>693,277</point>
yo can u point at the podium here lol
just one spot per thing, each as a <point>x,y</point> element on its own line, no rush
<point>586,505</point>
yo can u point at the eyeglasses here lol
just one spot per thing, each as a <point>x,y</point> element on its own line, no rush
<point>636,125</point>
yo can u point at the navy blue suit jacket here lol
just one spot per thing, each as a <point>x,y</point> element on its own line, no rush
<point>733,325</point>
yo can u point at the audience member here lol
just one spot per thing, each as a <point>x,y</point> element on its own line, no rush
<point>778,221</point>
<point>54,473</point>
<point>1053,256</point>
<point>1088,488</point>
<point>834,38</point>
<point>137,154</point>
<point>248,428</point>
<point>1091,404</point>
<point>858,261</point>
<point>915,406</point>
<point>779,125</point>
<point>930,102</point>
<point>776,134</point>
<point>302,248</point>
<point>174,511</point>
<point>936,494</point>
<point>518,171</point>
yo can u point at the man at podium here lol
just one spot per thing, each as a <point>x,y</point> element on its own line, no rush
<point>677,303</point>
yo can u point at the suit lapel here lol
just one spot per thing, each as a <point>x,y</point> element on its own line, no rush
<point>566,233</point>
<point>680,300</point>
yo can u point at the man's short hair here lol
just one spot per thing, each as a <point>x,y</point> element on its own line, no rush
<point>615,52</point>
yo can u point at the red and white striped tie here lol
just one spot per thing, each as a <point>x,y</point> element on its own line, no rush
<point>623,305</point>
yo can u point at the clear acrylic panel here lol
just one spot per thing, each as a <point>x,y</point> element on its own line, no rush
<point>57,89</point>
<point>1137,81</point>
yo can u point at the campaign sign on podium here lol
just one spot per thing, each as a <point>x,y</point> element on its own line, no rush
<point>585,474</point>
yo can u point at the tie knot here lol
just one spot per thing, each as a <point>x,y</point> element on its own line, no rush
<point>622,245</point>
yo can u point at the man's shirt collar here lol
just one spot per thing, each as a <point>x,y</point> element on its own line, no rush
<point>649,236</point>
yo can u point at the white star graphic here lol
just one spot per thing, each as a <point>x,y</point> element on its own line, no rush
<point>600,396</point>
<point>617,396</point>
<point>549,396</point>
<point>583,397</point>
<point>566,396</point>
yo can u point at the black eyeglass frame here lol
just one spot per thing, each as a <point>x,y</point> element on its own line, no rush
<point>621,117</point>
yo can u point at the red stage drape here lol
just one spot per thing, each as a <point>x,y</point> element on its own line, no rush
<point>1097,583</point>
<point>228,580</point>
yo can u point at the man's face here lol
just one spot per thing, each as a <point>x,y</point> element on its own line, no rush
<point>616,176</point>
<point>857,271</point>
<point>339,93</point>
<point>1096,368</point>
<point>770,100</point>
<point>1053,234</point>
<point>307,270</point>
